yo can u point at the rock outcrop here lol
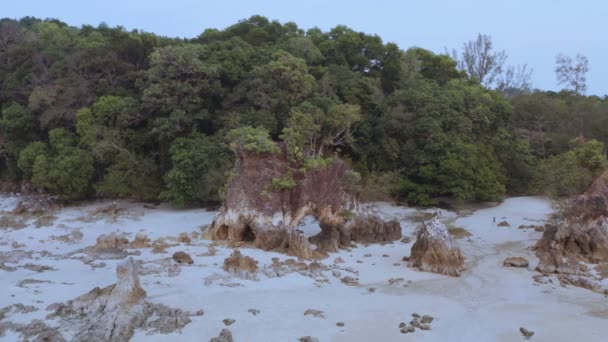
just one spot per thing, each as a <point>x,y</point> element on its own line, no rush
<point>259,211</point>
<point>435,251</point>
<point>114,312</point>
<point>579,237</point>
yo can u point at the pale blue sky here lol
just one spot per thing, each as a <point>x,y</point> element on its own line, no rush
<point>531,31</point>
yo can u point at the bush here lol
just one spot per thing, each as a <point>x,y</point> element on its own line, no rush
<point>131,176</point>
<point>199,166</point>
<point>570,173</point>
<point>68,174</point>
<point>252,139</point>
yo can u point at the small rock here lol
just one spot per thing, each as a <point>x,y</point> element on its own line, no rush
<point>424,327</point>
<point>359,262</point>
<point>372,289</point>
<point>340,324</point>
<point>200,312</point>
<point>515,262</point>
<point>368,255</point>
<point>308,339</point>
<point>415,315</point>
<point>406,258</point>
<point>338,260</point>
<point>228,321</point>
<point>504,224</point>
<point>385,255</point>
<point>527,333</point>
<point>409,329</point>
<point>406,239</point>
<point>426,319</point>
<point>254,312</point>
<point>184,238</point>
<point>182,257</point>
<point>402,325</point>
<point>350,281</point>
<point>314,313</point>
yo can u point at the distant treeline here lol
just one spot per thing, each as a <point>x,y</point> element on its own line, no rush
<point>100,111</point>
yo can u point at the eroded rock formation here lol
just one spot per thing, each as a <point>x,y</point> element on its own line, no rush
<point>258,211</point>
<point>579,236</point>
<point>114,312</point>
<point>435,251</point>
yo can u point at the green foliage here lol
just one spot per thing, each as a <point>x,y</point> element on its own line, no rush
<point>284,182</point>
<point>199,165</point>
<point>68,173</point>
<point>28,156</point>
<point>251,139</point>
<point>131,176</point>
<point>571,172</point>
<point>409,121</point>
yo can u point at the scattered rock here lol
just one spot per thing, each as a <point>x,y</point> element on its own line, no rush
<point>308,339</point>
<point>254,312</point>
<point>225,336</point>
<point>426,319</point>
<point>159,245</point>
<point>385,255</point>
<point>368,255</point>
<point>527,333</point>
<point>182,258</point>
<point>184,238</point>
<point>435,251</point>
<point>407,329</point>
<point>340,324</point>
<point>38,268</point>
<point>141,241</point>
<point>338,260</point>
<point>241,266</point>
<point>228,321</point>
<point>350,281</point>
<point>515,262</point>
<point>314,313</point>
<point>503,224</point>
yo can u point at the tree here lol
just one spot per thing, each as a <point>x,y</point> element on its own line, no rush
<point>572,73</point>
<point>199,167</point>
<point>480,60</point>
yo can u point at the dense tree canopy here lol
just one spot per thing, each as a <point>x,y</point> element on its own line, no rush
<point>101,111</point>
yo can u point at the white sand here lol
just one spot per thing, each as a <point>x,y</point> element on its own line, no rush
<point>487,303</point>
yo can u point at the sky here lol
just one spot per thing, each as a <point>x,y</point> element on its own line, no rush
<point>530,31</point>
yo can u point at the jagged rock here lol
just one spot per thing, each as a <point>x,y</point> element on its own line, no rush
<point>254,213</point>
<point>515,262</point>
<point>527,333</point>
<point>140,241</point>
<point>241,266</point>
<point>114,312</point>
<point>38,268</point>
<point>225,336</point>
<point>159,245</point>
<point>435,251</point>
<point>36,330</point>
<point>579,236</point>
